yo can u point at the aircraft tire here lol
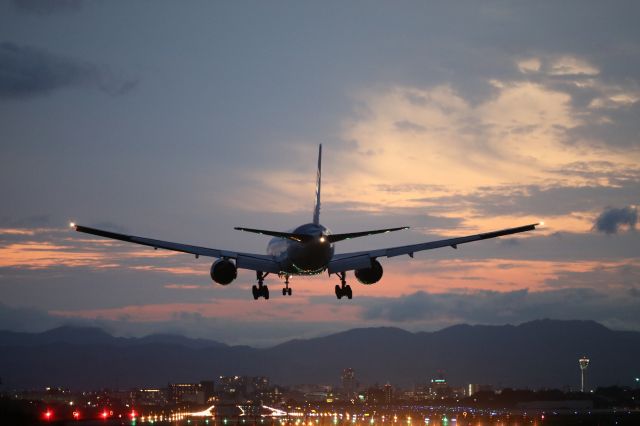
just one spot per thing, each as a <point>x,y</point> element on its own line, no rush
<point>349,292</point>
<point>265,292</point>
<point>338,292</point>
<point>254,291</point>
<point>289,291</point>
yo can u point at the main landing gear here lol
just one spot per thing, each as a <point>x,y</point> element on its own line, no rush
<point>260,290</point>
<point>286,290</point>
<point>343,289</point>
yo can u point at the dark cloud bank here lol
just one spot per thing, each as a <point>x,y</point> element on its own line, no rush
<point>611,220</point>
<point>46,7</point>
<point>27,71</point>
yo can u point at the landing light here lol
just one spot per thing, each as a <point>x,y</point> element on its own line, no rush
<point>322,239</point>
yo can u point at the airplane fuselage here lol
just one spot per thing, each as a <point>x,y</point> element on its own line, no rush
<point>303,258</point>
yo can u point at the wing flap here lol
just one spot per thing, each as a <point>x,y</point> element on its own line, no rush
<point>347,264</point>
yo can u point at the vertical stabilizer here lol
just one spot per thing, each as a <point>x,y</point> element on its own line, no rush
<point>316,210</point>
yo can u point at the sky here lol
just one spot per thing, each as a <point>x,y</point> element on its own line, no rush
<point>179,121</point>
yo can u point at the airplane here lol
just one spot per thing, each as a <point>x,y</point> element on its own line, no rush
<point>305,250</point>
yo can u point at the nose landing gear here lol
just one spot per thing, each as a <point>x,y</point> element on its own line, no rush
<point>343,289</point>
<point>260,290</point>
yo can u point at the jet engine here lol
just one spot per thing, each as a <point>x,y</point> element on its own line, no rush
<point>223,271</point>
<point>370,275</point>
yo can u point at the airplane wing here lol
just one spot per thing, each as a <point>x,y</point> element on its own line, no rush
<point>254,262</point>
<point>362,259</point>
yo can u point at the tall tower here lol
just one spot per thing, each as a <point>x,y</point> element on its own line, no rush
<point>584,363</point>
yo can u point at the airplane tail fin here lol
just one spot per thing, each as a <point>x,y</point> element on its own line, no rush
<point>316,210</point>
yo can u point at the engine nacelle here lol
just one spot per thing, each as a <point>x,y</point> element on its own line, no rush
<point>371,275</point>
<point>223,271</point>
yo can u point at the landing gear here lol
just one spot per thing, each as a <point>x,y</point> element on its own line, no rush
<point>343,289</point>
<point>286,290</point>
<point>260,290</point>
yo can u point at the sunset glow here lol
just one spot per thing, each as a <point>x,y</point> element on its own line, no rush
<point>451,121</point>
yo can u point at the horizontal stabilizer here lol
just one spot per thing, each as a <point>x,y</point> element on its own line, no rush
<point>334,238</point>
<point>288,235</point>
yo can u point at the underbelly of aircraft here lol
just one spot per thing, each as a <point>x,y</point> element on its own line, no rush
<point>309,259</point>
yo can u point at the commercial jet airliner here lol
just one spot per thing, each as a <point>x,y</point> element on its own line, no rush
<point>305,250</point>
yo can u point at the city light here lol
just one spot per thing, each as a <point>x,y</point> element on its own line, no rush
<point>48,415</point>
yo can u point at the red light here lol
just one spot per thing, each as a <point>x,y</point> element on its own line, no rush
<point>133,414</point>
<point>48,415</point>
<point>76,415</point>
<point>105,414</point>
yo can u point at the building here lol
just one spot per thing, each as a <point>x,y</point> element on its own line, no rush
<point>374,395</point>
<point>197,393</point>
<point>156,397</point>
<point>388,393</point>
<point>474,388</point>
<point>232,386</point>
<point>439,388</point>
<point>260,384</point>
<point>349,385</point>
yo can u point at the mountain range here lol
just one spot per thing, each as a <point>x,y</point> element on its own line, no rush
<point>542,353</point>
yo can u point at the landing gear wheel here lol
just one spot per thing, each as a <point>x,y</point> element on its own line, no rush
<point>286,290</point>
<point>343,289</point>
<point>260,290</point>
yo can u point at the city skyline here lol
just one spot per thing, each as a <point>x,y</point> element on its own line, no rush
<point>180,122</point>
<point>456,356</point>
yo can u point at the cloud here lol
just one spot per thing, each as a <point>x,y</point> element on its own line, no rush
<point>611,220</point>
<point>540,200</point>
<point>39,7</point>
<point>408,126</point>
<point>27,71</point>
<point>491,307</point>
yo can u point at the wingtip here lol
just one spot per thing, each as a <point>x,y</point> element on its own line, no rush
<point>73,225</point>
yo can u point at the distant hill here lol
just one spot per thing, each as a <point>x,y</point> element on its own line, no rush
<point>541,353</point>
